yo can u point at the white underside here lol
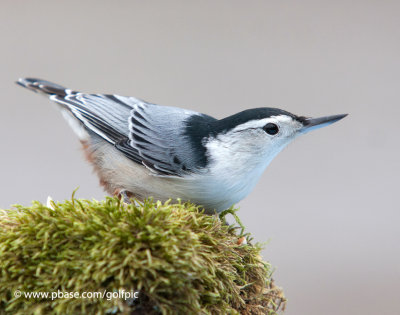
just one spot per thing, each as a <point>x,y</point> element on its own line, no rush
<point>217,190</point>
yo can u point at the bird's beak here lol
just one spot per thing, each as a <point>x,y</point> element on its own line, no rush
<point>310,124</point>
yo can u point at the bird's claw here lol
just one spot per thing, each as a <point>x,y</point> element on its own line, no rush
<point>123,194</point>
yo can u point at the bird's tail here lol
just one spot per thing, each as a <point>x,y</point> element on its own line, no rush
<point>56,93</point>
<point>42,86</point>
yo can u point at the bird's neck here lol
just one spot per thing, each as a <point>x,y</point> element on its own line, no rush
<point>235,171</point>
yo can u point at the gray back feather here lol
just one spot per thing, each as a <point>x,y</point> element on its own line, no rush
<point>157,133</point>
<point>149,134</point>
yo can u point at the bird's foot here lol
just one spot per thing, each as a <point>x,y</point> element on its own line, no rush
<point>124,196</point>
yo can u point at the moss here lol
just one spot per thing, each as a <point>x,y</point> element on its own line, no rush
<point>180,260</point>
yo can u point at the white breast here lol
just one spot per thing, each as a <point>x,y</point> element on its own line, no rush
<point>232,174</point>
<point>234,170</point>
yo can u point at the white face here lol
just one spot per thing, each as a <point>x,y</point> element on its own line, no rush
<point>239,157</point>
<point>255,142</point>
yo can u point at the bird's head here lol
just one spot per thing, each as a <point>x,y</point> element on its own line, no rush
<point>256,136</point>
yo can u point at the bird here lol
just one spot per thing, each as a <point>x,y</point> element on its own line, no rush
<point>141,150</point>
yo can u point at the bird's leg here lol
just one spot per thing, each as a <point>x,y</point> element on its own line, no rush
<point>123,195</point>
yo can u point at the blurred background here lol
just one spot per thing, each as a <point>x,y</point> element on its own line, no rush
<point>328,204</point>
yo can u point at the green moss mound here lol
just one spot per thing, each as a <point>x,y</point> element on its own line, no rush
<point>177,259</point>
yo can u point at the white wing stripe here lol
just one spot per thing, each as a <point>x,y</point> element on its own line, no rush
<point>78,115</point>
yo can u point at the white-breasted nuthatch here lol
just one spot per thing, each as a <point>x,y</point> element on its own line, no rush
<point>142,150</point>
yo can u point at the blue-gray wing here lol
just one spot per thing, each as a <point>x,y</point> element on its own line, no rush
<point>149,134</point>
<point>146,133</point>
<point>157,133</point>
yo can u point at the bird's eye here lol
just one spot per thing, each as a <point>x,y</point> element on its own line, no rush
<point>271,129</point>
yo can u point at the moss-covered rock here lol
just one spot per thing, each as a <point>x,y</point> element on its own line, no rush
<point>180,260</point>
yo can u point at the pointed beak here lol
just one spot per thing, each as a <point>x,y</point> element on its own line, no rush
<point>316,123</point>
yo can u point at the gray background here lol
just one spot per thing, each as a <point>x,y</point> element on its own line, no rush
<point>328,204</point>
